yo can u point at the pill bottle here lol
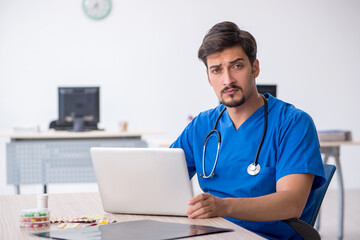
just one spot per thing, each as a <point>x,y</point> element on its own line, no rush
<point>42,201</point>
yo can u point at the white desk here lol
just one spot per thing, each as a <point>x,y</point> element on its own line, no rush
<point>89,204</point>
<point>52,134</point>
<point>332,149</point>
<point>60,156</point>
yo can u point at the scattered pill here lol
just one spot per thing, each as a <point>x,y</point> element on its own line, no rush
<point>62,226</point>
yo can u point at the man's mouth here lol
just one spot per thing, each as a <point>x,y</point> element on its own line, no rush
<point>230,90</point>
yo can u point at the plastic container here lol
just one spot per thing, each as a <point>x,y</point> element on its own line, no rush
<point>42,201</point>
<point>35,218</point>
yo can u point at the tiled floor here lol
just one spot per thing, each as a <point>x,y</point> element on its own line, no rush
<point>329,216</point>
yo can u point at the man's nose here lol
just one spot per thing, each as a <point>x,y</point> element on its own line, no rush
<point>227,78</point>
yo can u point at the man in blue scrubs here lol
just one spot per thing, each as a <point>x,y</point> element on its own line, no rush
<point>289,159</point>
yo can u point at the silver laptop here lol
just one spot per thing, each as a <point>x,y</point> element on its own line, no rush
<point>142,180</point>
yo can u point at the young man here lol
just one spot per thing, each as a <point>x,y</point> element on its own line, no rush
<point>257,157</point>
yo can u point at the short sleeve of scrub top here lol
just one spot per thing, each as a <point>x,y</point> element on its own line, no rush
<point>290,146</point>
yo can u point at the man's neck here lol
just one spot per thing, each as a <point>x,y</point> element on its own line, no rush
<point>241,113</point>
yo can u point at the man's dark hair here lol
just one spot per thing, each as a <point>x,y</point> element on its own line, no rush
<point>225,35</point>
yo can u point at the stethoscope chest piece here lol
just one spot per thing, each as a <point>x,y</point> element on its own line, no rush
<point>253,169</point>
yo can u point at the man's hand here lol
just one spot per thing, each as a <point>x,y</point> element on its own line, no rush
<point>206,205</point>
<point>288,201</point>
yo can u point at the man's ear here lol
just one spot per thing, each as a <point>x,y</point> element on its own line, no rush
<point>256,68</point>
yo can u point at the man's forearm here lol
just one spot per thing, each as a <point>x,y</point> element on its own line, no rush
<point>276,206</point>
<point>288,201</point>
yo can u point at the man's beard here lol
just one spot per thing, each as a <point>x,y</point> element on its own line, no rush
<point>232,102</point>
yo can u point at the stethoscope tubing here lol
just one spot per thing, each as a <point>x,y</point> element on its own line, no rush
<point>254,168</point>
<point>214,130</point>
<point>264,132</point>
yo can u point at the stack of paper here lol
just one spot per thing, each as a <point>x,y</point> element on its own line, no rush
<point>335,135</point>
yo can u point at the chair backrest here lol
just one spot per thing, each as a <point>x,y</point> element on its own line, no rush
<point>320,192</point>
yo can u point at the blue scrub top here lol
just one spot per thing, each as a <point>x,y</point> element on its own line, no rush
<point>290,146</point>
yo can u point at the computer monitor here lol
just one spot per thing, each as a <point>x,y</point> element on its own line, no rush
<point>267,88</point>
<point>79,108</point>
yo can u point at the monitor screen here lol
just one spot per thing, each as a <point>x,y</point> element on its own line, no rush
<point>267,88</point>
<point>79,108</point>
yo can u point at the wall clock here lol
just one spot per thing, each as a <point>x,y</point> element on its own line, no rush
<point>96,9</point>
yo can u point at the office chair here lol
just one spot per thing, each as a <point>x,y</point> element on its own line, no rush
<point>307,230</point>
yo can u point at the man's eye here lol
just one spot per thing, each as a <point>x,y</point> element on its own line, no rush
<point>237,66</point>
<point>215,70</point>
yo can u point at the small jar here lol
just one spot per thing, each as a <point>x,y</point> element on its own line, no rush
<point>42,201</point>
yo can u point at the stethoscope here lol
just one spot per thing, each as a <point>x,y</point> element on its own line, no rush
<point>254,167</point>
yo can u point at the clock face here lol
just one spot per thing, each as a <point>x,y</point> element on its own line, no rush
<point>96,9</point>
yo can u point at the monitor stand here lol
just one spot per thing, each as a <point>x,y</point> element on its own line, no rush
<point>79,125</point>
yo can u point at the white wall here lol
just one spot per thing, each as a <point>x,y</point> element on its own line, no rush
<point>144,57</point>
